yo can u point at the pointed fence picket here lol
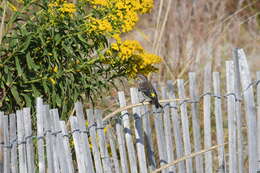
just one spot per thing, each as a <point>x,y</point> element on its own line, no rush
<point>178,138</point>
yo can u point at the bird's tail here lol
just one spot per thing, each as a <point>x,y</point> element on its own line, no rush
<point>157,104</point>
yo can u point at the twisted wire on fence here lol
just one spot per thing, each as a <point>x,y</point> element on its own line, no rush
<point>119,117</point>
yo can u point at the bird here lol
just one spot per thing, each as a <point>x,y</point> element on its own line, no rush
<point>148,91</point>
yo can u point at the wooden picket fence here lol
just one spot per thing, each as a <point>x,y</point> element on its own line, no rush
<point>214,131</point>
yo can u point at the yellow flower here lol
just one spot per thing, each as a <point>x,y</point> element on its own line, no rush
<point>52,81</point>
<point>55,69</point>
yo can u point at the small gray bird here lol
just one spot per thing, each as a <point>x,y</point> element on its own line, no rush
<point>147,89</point>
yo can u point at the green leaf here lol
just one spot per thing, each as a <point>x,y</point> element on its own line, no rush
<point>36,93</point>
<point>30,62</point>
<point>27,100</point>
<point>26,43</point>
<point>81,38</point>
<point>18,66</point>
<point>16,95</point>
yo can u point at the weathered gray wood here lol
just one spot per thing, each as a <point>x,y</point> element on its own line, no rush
<point>185,125</point>
<point>40,141</point>
<point>21,141</point>
<point>168,130</point>
<point>84,137</point>
<point>122,146</point>
<point>102,142</point>
<point>95,149</point>
<point>160,137</point>
<point>113,150</point>
<point>176,128</point>
<point>258,119</point>
<point>48,123</point>
<point>7,159</point>
<point>195,121</point>
<point>240,159</point>
<point>232,149</point>
<point>60,150</point>
<point>138,131</point>
<point>250,110</point>
<point>207,118</point>
<point>77,144</point>
<point>13,140</point>
<point>219,122</point>
<point>148,137</point>
<point>29,144</point>
<point>67,146</point>
<point>128,134</point>
<point>1,143</point>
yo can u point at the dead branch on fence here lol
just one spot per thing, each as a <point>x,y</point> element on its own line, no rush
<point>188,157</point>
<point>139,104</point>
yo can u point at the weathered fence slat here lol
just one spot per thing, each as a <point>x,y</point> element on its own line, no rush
<point>84,137</point>
<point>6,143</point>
<point>138,131</point>
<point>250,110</point>
<point>67,146</point>
<point>59,144</point>
<point>13,140</point>
<point>185,125</point>
<point>92,132</point>
<point>21,139</point>
<point>176,128</point>
<point>102,142</point>
<point>49,140</point>
<point>195,121</point>
<point>219,122</point>
<point>113,150</point>
<point>77,143</point>
<point>40,140</point>
<point>207,117</point>
<point>122,146</point>
<point>148,137</point>
<point>29,144</point>
<point>231,109</point>
<point>128,134</point>
<point>258,120</point>
<point>1,142</point>
<point>240,160</point>
<point>168,130</point>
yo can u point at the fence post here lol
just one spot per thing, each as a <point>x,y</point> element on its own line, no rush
<point>168,130</point>
<point>102,142</point>
<point>258,120</point>
<point>77,144</point>
<point>195,121</point>
<point>40,141</point>
<point>176,128</point>
<point>28,135</point>
<point>59,144</point>
<point>21,141</point>
<point>1,143</point>
<point>6,144</point>
<point>67,146</point>
<point>13,140</point>
<point>84,137</point>
<point>219,122</point>
<point>113,150</point>
<point>92,131</point>
<point>240,154</point>
<point>138,131</point>
<point>231,109</point>
<point>185,125</point>
<point>128,134</point>
<point>207,117</point>
<point>52,164</point>
<point>250,110</point>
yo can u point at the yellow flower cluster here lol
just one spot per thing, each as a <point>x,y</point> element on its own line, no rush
<point>61,8</point>
<point>131,53</point>
<point>122,14</point>
<point>99,25</point>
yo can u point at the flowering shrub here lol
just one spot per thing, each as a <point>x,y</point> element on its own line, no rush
<point>61,51</point>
